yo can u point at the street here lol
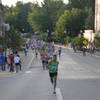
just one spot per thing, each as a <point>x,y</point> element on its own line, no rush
<point>78,79</point>
<point>79,76</point>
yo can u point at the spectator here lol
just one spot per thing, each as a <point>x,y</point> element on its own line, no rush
<point>11,63</point>
<point>3,62</point>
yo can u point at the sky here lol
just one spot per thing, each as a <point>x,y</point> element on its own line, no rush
<point>13,2</point>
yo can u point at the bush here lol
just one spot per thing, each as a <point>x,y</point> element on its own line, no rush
<point>14,39</point>
<point>43,36</point>
<point>28,35</point>
<point>79,42</point>
<point>68,40</point>
<point>97,40</point>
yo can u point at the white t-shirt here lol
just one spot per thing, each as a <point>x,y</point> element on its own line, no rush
<point>16,59</point>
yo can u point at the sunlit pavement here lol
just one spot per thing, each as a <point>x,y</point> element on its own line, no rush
<point>32,83</point>
<point>78,79</point>
<point>79,76</point>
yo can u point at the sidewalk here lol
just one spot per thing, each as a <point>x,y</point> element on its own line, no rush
<point>7,73</point>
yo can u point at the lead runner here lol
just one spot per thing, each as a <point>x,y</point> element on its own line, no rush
<point>53,71</point>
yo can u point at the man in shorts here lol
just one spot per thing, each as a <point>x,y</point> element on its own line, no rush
<point>17,62</point>
<point>59,51</point>
<point>53,71</point>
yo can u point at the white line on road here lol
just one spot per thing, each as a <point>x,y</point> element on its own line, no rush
<point>59,95</point>
<point>31,61</point>
<point>28,72</point>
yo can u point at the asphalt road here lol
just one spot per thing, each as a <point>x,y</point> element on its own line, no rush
<point>32,83</point>
<point>78,79</point>
<point>79,76</point>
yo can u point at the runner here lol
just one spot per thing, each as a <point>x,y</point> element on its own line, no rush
<point>59,51</point>
<point>43,58</point>
<point>53,71</point>
<point>25,51</point>
<point>36,52</point>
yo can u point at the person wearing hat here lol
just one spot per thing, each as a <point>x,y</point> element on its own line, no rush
<point>53,70</point>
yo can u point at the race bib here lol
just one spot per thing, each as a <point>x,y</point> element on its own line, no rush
<point>54,68</point>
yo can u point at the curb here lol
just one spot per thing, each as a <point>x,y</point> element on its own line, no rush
<point>6,74</point>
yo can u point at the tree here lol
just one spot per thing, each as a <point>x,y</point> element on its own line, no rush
<point>44,17</point>
<point>14,39</point>
<point>81,4</point>
<point>18,16</point>
<point>85,4</point>
<point>97,41</point>
<point>89,22</point>
<point>71,22</point>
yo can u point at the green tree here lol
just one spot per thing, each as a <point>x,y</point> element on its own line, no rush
<point>71,22</point>
<point>44,17</point>
<point>97,41</point>
<point>18,16</point>
<point>14,39</point>
<point>85,4</point>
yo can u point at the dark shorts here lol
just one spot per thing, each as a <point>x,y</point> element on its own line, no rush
<point>53,74</point>
<point>43,62</point>
<point>17,64</point>
<point>47,62</point>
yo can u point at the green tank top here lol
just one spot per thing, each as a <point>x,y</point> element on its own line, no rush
<point>53,68</point>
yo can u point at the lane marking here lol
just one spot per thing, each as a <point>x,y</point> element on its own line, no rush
<point>28,72</point>
<point>78,77</point>
<point>31,61</point>
<point>58,93</point>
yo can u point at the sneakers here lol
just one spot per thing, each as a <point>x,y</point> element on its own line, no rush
<point>54,92</point>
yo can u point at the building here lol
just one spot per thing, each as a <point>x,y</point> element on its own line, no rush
<point>2,19</point>
<point>97,15</point>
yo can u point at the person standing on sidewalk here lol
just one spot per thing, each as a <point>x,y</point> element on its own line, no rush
<point>43,58</point>
<point>17,62</point>
<point>11,62</point>
<point>53,71</point>
<point>25,51</point>
<point>3,62</point>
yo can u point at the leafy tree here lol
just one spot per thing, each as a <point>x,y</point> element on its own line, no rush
<point>79,42</point>
<point>71,22</point>
<point>68,40</point>
<point>18,16</point>
<point>85,4</point>
<point>97,41</point>
<point>81,4</point>
<point>44,17</point>
<point>14,39</point>
<point>89,22</point>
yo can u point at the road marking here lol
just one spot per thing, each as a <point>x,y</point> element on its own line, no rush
<point>30,61</point>
<point>28,72</point>
<point>78,77</point>
<point>59,95</point>
<point>96,56</point>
